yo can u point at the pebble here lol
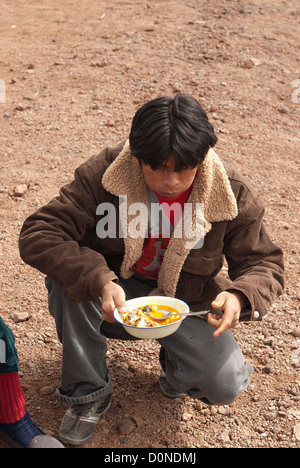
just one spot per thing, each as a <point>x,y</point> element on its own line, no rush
<point>270,341</point>
<point>251,63</point>
<point>20,190</point>
<point>138,421</point>
<point>224,437</point>
<point>19,317</point>
<point>268,369</point>
<point>126,427</point>
<point>270,415</point>
<point>297,432</point>
<point>214,108</point>
<point>224,410</point>
<point>110,123</point>
<point>296,332</point>
<point>244,136</point>
<point>47,390</point>
<point>187,416</point>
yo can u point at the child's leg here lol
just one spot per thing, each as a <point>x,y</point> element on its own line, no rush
<point>16,427</point>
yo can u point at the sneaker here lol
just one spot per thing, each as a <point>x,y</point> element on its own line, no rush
<point>79,422</point>
<point>166,388</point>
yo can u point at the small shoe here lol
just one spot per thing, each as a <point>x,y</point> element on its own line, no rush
<point>79,422</point>
<point>166,389</point>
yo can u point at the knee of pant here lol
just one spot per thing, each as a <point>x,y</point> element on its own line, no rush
<point>227,388</point>
<point>223,388</point>
<point>225,396</point>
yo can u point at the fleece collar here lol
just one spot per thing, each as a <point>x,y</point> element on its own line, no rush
<point>211,187</point>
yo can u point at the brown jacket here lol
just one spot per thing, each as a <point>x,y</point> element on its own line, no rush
<point>60,239</point>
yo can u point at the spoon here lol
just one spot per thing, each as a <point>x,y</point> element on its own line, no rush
<point>245,314</point>
<point>164,314</point>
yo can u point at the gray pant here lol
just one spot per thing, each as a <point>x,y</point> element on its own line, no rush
<point>206,368</point>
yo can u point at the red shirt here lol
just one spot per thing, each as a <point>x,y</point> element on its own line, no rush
<point>154,247</point>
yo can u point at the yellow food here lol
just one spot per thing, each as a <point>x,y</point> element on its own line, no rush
<point>140,317</point>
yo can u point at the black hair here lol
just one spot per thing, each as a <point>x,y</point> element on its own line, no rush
<point>166,126</point>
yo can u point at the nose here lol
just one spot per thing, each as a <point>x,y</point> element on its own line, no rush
<point>171,180</point>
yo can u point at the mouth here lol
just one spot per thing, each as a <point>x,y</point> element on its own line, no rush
<point>169,195</point>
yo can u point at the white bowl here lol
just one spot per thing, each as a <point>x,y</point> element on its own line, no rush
<point>153,332</point>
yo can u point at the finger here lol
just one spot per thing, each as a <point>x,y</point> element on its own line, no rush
<point>120,302</point>
<point>108,307</point>
<point>219,301</point>
<point>108,318</point>
<point>214,320</point>
<point>229,321</point>
<point>122,309</point>
<point>226,325</point>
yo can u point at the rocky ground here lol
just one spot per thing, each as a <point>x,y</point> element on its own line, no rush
<point>72,75</point>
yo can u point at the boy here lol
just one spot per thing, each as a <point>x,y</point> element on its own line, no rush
<point>99,245</point>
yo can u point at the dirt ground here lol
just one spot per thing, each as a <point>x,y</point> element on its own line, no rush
<point>72,75</point>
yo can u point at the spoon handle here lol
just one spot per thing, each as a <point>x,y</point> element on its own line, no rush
<point>245,313</point>
<point>200,312</point>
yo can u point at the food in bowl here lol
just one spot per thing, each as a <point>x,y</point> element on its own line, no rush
<point>156,332</point>
<point>140,317</point>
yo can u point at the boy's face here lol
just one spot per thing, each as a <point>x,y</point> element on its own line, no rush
<point>165,181</point>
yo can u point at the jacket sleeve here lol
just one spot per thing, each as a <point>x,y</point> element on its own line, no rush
<point>49,240</point>
<point>255,263</point>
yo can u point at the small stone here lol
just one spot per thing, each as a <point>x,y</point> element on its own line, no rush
<point>99,64</point>
<point>251,63</point>
<point>260,429</point>
<point>20,108</point>
<point>19,317</point>
<point>244,136</point>
<point>47,390</point>
<point>224,437</point>
<point>270,415</point>
<point>269,341</point>
<point>224,410</point>
<point>138,421</point>
<point>126,427</point>
<point>248,64</point>
<point>186,416</point>
<point>296,332</point>
<point>296,431</point>
<point>283,110</point>
<point>268,369</point>
<point>20,190</point>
